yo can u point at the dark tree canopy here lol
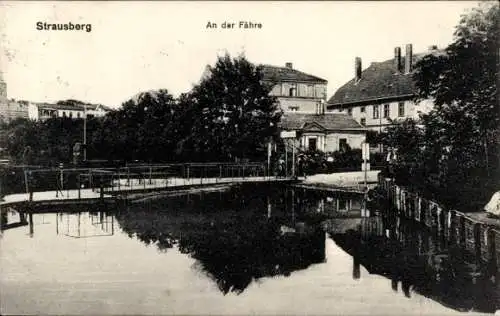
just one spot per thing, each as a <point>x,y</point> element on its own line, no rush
<point>455,152</point>
<point>228,115</point>
<point>232,112</point>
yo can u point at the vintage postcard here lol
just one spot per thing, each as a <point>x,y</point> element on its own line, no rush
<point>249,158</point>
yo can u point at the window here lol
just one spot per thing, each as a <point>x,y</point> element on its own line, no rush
<point>71,114</point>
<point>401,109</point>
<point>386,110</point>
<point>363,121</point>
<point>375,111</point>
<point>78,114</point>
<point>292,92</point>
<point>312,144</point>
<point>349,111</point>
<point>293,108</point>
<point>310,91</point>
<point>343,144</point>
<point>362,109</point>
<point>64,113</point>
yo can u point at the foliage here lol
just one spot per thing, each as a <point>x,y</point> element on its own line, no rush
<point>228,116</point>
<point>231,112</point>
<point>452,152</point>
<point>44,142</point>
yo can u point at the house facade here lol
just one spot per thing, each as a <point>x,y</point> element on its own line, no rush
<point>383,93</point>
<point>327,132</point>
<point>295,90</point>
<point>42,111</point>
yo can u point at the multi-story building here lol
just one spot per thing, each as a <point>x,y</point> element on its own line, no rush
<point>302,98</point>
<point>383,93</point>
<point>43,111</point>
<point>10,109</point>
<point>295,90</point>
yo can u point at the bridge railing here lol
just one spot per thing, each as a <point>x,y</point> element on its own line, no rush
<point>27,180</point>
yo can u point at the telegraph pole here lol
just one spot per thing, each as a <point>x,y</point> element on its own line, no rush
<point>85,132</point>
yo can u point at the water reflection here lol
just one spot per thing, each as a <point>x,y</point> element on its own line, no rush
<point>85,225</point>
<point>415,260</point>
<point>235,240</point>
<point>75,224</point>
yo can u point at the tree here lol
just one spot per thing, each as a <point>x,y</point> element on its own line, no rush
<point>232,112</point>
<point>462,131</point>
<point>145,129</point>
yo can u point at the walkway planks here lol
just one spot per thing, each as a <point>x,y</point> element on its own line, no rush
<point>133,185</point>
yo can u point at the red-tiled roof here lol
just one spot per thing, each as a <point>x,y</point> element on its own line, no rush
<point>275,73</point>
<point>329,121</point>
<point>379,81</point>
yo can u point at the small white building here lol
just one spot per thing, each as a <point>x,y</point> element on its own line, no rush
<point>327,132</point>
<point>42,111</point>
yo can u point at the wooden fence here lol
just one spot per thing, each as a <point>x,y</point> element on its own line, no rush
<point>474,236</point>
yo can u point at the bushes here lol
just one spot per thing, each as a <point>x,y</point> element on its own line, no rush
<point>314,162</point>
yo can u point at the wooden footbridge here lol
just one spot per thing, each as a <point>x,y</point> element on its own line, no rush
<point>88,185</point>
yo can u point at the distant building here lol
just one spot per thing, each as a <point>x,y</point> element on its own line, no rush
<point>327,132</point>
<point>42,111</point>
<point>302,98</point>
<point>383,91</point>
<point>295,90</point>
<point>10,109</point>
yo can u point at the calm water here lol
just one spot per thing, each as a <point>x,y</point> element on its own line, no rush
<point>246,251</point>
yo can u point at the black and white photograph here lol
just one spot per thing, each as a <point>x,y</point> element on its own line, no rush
<point>249,158</point>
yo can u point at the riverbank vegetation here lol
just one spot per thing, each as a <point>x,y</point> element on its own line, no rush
<point>451,153</point>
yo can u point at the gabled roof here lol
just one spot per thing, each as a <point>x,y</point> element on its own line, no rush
<point>328,121</point>
<point>379,81</point>
<point>275,73</point>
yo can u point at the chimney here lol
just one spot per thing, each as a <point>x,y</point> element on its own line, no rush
<point>289,65</point>
<point>408,58</point>
<point>357,69</point>
<point>397,59</point>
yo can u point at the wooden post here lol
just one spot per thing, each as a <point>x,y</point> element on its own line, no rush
<point>79,186</point>
<point>128,176</point>
<point>286,158</point>
<point>477,240</point>
<point>26,181</point>
<point>32,231</point>
<point>462,230</point>
<point>452,227</point>
<point>492,254</point>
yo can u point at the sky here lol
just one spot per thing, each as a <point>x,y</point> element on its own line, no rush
<point>140,46</point>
